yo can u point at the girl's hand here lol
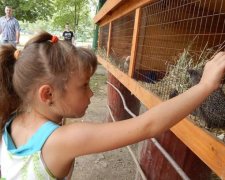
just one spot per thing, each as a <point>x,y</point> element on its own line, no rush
<point>213,72</point>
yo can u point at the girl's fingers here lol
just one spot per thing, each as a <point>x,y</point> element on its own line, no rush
<point>219,56</point>
<point>222,58</point>
<point>216,65</point>
<point>218,60</point>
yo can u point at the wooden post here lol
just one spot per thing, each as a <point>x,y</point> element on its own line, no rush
<point>156,166</point>
<point>109,39</point>
<point>134,42</point>
<point>115,101</point>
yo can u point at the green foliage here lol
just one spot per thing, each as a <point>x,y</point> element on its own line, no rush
<point>39,25</point>
<point>77,14</point>
<point>29,10</point>
<point>52,15</point>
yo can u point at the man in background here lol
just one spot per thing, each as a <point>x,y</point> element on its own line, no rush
<point>68,35</point>
<point>9,28</point>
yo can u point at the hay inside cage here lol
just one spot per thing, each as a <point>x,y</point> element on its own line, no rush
<point>178,79</point>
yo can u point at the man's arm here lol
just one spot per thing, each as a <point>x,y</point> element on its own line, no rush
<point>17,32</point>
<point>17,37</point>
<point>73,38</point>
<point>0,25</point>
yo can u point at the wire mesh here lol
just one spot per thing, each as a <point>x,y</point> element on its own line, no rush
<point>103,40</point>
<point>121,41</point>
<point>176,38</point>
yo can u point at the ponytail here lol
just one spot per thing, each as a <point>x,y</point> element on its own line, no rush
<point>9,100</point>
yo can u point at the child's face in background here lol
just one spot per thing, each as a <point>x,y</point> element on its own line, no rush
<point>76,98</point>
<point>67,27</point>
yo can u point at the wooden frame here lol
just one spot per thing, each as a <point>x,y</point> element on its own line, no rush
<point>106,9</point>
<point>203,144</point>
<point>208,148</point>
<point>105,15</point>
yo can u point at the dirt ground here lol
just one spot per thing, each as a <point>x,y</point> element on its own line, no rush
<point>112,165</point>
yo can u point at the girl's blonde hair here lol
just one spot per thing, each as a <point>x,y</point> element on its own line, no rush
<point>41,61</point>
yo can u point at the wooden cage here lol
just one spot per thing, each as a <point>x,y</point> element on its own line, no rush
<point>154,34</point>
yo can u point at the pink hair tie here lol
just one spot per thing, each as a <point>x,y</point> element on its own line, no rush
<point>54,39</point>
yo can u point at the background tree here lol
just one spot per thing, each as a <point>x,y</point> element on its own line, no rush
<point>27,10</point>
<point>77,14</point>
<point>52,15</point>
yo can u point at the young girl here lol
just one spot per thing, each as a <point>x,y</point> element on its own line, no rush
<point>49,81</point>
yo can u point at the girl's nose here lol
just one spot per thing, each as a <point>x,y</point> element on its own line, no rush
<point>91,93</point>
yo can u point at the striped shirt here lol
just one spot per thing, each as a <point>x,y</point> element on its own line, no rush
<point>8,28</point>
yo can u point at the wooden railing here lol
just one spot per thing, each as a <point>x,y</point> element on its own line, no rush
<point>207,147</point>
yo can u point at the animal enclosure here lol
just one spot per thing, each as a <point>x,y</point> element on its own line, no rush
<point>103,37</point>
<point>166,44</point>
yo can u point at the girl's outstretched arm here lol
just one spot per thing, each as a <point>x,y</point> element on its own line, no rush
<point>83,138</point>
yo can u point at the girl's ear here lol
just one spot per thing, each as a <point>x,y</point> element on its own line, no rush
<point>45,94</point>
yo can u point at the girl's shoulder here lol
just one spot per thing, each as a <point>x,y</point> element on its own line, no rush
<point>35,142</point>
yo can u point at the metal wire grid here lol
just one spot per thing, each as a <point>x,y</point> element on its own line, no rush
<point>174,36</point>
<point>103,40</point>
<point>121,41</point>
<point>170,26</point>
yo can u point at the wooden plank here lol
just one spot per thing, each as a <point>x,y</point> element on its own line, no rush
<point>106,8</point>
<point>208,148</point>
<point>124,8</point>
<point>129,5</point>
<point>156,166</point>
<point>109,39</point>
<point>203,144</point>
<point>115,102</point>
<point>134,42</point>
